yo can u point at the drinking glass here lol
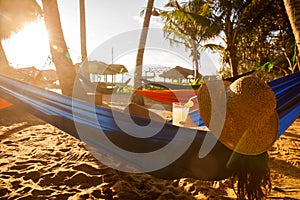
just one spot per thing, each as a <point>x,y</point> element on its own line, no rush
<point>179,113</point>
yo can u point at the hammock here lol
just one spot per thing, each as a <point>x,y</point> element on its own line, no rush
<point>171,152</point>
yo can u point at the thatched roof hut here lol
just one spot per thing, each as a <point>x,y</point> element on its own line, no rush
<point>116,69</point>
<point>98,71</point>
<point>178,73</point>
<point>101,68</point>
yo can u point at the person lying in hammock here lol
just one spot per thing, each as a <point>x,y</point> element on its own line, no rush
<point>250,129</point>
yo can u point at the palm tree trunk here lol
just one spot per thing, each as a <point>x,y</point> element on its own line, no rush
<point>230,42</point>
<point>233,62</point>
<point>142,44</point>
<point>4,62</point>
<point>64,67</point>
<point>83,31</point>
<point>196,60</point>
<point>231,52</point>
<point>293,11</point>
<point>140,54</point>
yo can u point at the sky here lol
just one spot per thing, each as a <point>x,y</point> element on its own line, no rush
<point>113,28</point>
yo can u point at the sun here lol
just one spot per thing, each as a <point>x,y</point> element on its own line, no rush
<point>28,47</point>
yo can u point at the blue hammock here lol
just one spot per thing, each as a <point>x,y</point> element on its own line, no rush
<point>172,152</point>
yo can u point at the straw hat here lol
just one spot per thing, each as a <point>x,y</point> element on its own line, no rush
<point>251,122</point>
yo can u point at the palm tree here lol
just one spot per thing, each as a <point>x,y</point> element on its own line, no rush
<point>140,54</point>
<point>58,48</point>
<point>14,15</point>
<point>188,24</point>
<point>293,11</point>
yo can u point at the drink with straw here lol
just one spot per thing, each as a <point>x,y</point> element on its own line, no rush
<point>180,112</point>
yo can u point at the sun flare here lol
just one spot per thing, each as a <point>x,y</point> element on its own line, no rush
<point>29,47</point>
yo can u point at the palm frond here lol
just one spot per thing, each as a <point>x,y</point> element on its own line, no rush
<point>15,14</point>
<point>213,47</point>
<point>142,12</point>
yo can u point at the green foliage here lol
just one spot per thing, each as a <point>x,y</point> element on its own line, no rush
<point>188,24</point>
<point>257,34</point>
<point>127,89</point>
<point>198,81</point>
<point>267,43</point>
<point>269,65</point>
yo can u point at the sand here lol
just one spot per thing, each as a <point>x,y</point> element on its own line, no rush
<point>39,161</point>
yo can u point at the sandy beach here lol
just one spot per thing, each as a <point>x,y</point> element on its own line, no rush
<point>39,161</point>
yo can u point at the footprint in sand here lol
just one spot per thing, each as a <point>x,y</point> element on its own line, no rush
<point>4,192</point>
<point>16,184</point>
<point>33,175</point>
<point>87,169</point>
<point>13,174</point>
<point>55,178</point>
<point>10,143</point>
<point>21,167</point>
<point>84,180</point>
<point>31,162</point>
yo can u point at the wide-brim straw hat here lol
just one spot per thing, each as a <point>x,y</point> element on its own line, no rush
<point>251,121</point>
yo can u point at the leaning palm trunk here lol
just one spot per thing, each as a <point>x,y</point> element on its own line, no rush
<point>64,67</point>
<point>293,11</point>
